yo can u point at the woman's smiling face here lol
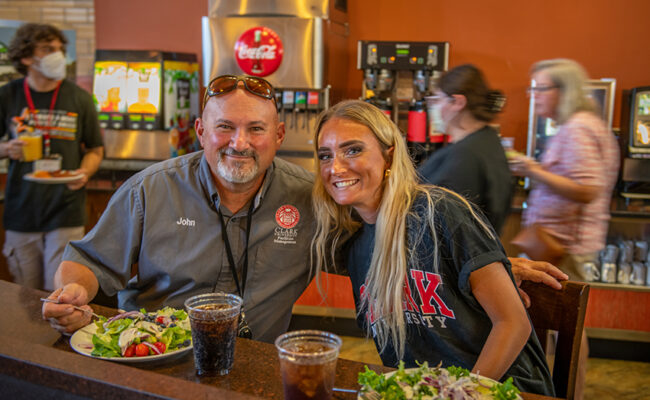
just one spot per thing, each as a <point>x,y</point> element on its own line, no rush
<point>352,165</point>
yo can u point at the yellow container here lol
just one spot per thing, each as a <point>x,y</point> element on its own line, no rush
<point>33,148</point>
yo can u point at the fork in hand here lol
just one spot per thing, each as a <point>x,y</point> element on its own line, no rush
<point>73,306</point>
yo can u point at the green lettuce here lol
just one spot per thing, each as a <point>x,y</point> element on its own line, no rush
<point>505,391</point>
<point>175,336</point>
<point>105,348</point>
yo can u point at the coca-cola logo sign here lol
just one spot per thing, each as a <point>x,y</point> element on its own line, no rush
<point>259,51</point>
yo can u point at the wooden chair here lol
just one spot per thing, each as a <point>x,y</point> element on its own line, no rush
<point>562,311</point>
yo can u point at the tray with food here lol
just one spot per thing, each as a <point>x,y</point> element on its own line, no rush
<point>53,177</point>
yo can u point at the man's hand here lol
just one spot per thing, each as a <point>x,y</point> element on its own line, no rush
<point>535,271</point>
<point>81,182</point>
<point>14,149</point>
<point>62,317</point>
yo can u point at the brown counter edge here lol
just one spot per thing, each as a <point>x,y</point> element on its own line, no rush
<point>87,377</point>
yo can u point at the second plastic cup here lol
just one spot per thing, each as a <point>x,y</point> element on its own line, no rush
<point>308,363</point>
<point>214,319</point>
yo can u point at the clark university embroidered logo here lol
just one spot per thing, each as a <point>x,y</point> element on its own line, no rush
<point>287,217</point>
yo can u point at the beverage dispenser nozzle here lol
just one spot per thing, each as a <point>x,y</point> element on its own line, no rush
<point>385,80</point>
<point>300,105</point>
<point>420,81</point>
<point>313,104</point>
<point>278,103</point>
<point>432,79</point>
<point>287,104</point>
<point>371,79</point>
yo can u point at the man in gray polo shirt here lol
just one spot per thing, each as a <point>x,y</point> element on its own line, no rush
<point>161,238</point>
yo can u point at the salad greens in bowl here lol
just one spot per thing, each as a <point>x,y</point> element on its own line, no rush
<point>437,383</point>
<point>135,335</point>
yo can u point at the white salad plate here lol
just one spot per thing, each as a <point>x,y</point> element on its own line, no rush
<point>52,180</point>
<point>82,342</point>
<point>484,380</point>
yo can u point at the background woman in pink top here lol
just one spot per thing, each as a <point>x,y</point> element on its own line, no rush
<point>572,186</point>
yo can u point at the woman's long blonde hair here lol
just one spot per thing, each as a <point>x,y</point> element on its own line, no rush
<point>391,254</point>
<point>570,78</point>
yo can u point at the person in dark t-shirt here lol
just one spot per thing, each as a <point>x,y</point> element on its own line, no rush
<point>474,165</point>
<point>431,280</point>
<point>40,218</point>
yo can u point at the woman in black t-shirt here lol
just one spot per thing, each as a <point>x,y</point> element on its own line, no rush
<point>474,164</point>
<point>430,278</point>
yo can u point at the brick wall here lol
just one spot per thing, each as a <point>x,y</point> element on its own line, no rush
<point>64,14</point>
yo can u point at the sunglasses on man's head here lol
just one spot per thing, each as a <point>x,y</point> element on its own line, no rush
<point>227,83</point>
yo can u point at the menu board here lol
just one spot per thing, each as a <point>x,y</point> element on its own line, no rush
<point>642,134</point>
<point>143,87</point>
<point>644,103</point>
<point>109,88</point>
<point>149,90</point>
<point>181,105</point>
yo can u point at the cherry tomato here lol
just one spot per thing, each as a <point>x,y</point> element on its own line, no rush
<point>130,351</point>
<point>160,346</point>
<point>141,350</point>
<point>160,320</point>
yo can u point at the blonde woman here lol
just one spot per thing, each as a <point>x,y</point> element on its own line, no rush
<point>430,278</point>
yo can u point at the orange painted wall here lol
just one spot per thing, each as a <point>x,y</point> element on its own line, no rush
<point>168,25</point>
<point>503,37</point>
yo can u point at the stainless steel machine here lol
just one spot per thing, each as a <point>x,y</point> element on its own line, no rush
<point>298,46</point>
<point>397,78</point>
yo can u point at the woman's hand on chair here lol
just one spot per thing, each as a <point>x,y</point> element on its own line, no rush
<point>535,271</point>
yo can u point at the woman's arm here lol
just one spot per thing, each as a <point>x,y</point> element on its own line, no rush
<point>494,290</point>
<point>565,187</point>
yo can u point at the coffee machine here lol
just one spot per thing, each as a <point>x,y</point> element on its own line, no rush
<point>635,135</point>
<point>398,76</point>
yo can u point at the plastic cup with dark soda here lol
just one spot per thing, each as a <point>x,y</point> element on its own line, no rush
<point>308,363</point>
<point>214,319</point>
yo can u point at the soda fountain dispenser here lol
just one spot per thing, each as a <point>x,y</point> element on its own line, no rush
<point>397,78</point>
<point>298,46</point>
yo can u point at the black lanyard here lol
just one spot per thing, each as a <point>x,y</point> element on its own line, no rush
<point>231,259</point>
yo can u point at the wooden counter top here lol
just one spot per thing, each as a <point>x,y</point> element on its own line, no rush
<point>31,351</point>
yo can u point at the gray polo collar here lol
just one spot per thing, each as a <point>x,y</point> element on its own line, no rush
<point>207,181</point>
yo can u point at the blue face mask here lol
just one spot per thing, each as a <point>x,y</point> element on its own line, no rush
<point>52,65</point>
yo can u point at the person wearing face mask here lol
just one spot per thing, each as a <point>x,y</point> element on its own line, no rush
<point>40,219</point>
<point>474,164</point>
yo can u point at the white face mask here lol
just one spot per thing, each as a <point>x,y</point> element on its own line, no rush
<point>52,65</point>
<point>439,124</point>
